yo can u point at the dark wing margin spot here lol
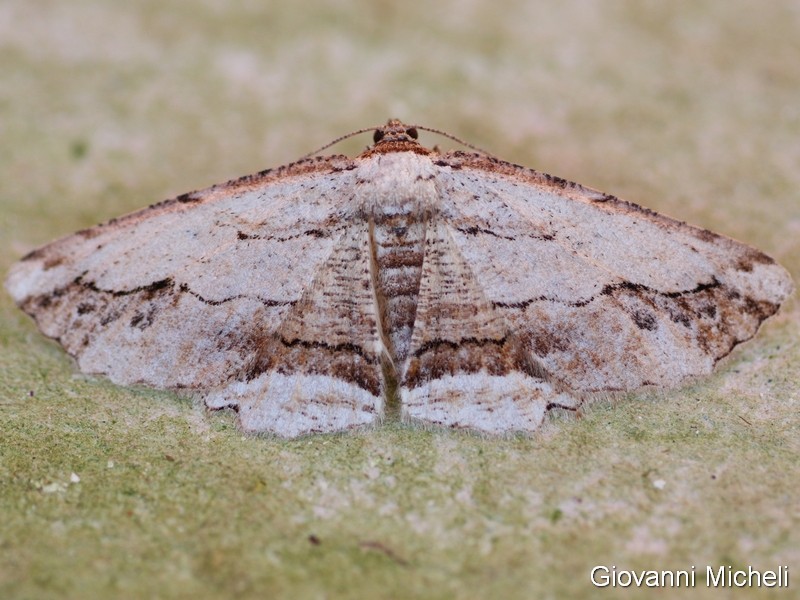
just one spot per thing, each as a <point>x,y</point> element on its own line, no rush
<point>443,163</point>
<point>474,230</point>
<point>529,301</point>
<point>645,320</point>
<point>558,405</point>
<point>33,254</point>
<point>317,233</point>
<point>189,197</point>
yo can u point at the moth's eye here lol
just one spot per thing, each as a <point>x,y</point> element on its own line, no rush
<point>378,135</point>
<point>412,133</point>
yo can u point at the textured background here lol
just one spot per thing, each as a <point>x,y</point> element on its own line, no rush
<point>690,108</point>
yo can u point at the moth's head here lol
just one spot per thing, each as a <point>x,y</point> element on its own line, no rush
<point>394,132</point>
<point>395,136</point>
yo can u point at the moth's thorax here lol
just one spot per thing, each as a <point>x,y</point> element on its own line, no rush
<point>398,193</point>
<point>394,169</point>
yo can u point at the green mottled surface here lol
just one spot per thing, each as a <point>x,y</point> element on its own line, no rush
<point>690,108</point>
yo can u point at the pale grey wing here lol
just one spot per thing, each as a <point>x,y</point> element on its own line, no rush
<point>321,370</point>
<point>604,294</point>
<point>466,368</point>
<point>182,294</point>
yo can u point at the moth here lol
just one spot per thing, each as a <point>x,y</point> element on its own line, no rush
<point>451,288</point>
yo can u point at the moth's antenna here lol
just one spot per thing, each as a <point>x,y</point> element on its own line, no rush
<point>368,129</point>
<point>339,139</point>
<point>455,139</point>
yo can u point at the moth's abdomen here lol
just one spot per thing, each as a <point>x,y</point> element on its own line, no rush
<point>398,246</point>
